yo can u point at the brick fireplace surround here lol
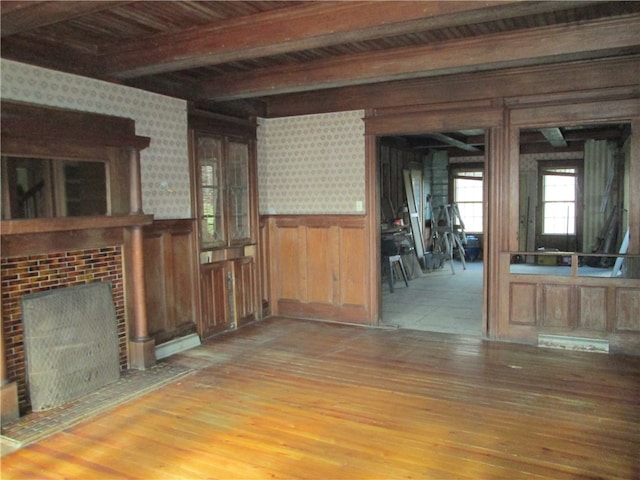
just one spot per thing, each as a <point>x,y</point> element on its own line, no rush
<point>28,274</point>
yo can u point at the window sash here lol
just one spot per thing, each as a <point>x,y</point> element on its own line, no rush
<point>469,195</point>
<point>559,201</point>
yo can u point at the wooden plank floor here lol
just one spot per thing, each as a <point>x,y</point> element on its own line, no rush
<point>290,399</point>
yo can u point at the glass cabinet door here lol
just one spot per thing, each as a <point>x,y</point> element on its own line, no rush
<point>209,158</point>
<point>238,191</point>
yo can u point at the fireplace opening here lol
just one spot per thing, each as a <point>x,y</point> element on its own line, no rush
<point>71,343</point>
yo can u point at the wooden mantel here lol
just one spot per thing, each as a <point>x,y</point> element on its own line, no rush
<point>47,225</point>
<point>55,133</point>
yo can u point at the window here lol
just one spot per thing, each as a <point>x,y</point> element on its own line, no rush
<point>223,176</point>
<point>468,194</point>
<point>238,189</point>
<point>559,201</point>
<point>209,156</point>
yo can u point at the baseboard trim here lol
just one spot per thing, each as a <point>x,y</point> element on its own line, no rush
<point>177,345</point>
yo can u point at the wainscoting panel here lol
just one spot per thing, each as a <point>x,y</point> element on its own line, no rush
<point>557,305</point>
<point>522,304</point>
<point>589,307</point>
<point>593,306</point>
<point>318,267</point>
<point>628,309</point>
<point>169,276</point>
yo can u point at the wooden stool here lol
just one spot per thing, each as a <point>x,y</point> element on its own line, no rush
<point>393,260</point>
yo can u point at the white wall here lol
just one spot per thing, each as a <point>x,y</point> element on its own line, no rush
<point>312,164</point>
<point>162,118</point>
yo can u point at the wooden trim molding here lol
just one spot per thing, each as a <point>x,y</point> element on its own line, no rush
<point>58,224</point>
<point>22,120</point>
<point>428,121</point>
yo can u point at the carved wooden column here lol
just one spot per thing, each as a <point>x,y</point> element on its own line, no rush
<point>8,389</point>
<point>142,352</point>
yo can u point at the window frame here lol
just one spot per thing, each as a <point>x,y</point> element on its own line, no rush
<point>544,169</point>
<point>457,172</point>
<point>228,238</point>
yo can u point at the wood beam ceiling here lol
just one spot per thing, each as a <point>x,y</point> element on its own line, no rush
<point>312,25</point>
<point>28,15</point>
<point>308,26</point>
<point>176,63</point>
<point>463,89</point>
<point>549,44</point>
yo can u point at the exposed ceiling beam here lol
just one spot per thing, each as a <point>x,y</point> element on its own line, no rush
<point>179,88</point>
<point>19,17</point>
<point>310,25</point>
<point>68,58</point>
<point>512,82</point>
<point>606,132</point>
<point>449,140</point>
<point>549,44</point>
<point>554,136</point>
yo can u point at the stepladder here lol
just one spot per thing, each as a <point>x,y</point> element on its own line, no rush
<point>448,233</point>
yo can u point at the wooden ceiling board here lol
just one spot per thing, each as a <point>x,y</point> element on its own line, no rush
<point>215,50</point>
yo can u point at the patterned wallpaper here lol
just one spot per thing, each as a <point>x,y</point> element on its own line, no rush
<point>164,165</point>
<point>529,161</point>
<point>312,164</point>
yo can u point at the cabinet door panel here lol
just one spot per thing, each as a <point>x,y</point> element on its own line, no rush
<point>215,299</point>
<point>245,290</point>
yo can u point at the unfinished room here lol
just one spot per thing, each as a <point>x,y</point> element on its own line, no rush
<point>258,239</point>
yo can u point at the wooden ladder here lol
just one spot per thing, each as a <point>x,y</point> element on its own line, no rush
<point>448,232</point>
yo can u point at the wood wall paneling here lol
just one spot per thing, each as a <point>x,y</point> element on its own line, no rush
<point>628,309</point>
<point>592,304</point>
<point>557,305</point>
<point>321,243</point>
<point>354,284</point>
<point>155,270</point>
<point>287,268</point>
<point>319,267</point>
<point>170,283</point>
<point>523,304</point>
<point>184,284</point>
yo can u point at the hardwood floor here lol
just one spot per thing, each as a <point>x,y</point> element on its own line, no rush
<point>296,399</point>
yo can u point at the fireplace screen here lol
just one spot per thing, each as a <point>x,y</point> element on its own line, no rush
<point>71,343</point>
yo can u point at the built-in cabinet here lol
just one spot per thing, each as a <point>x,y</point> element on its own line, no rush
<point>223,164</point>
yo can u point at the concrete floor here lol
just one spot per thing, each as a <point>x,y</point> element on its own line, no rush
<point>437,301</point>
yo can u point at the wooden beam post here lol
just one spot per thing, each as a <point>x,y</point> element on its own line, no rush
<point>142,353</point>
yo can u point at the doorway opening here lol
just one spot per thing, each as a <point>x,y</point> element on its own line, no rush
<point>433,194</point>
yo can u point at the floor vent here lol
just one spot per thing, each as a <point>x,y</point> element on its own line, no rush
<point>579,344</point>
<point>177,345</point>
